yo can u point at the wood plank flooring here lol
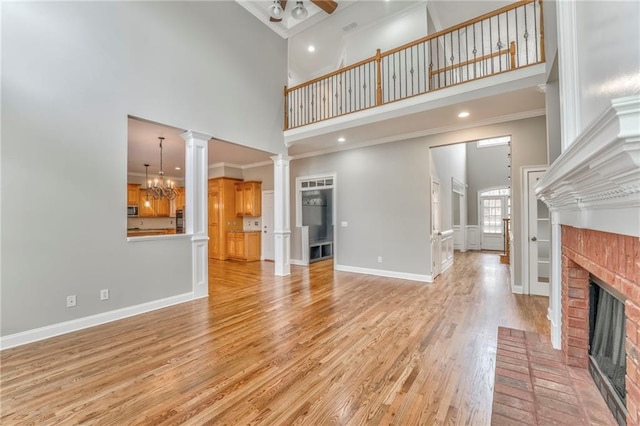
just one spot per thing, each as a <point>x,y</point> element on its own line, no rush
<point>319,347</point>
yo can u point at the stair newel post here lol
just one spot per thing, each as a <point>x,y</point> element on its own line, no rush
<point>286,109</point>
<point>512,54</point>
<point>542,55</point>
<point>379,79</point>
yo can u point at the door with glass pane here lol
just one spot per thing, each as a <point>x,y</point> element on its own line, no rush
<point>539,239</point>
<point>495,205</point>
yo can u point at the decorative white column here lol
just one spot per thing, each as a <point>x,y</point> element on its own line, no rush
<point>196,174</point>
<point>555,281</point>
<point>569,82</point>
<point>281,214</point>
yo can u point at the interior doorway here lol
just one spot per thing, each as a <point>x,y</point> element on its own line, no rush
<point>537,227</point>
<point>315,213</point>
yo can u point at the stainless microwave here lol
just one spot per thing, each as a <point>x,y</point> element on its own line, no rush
<point>132,210</point>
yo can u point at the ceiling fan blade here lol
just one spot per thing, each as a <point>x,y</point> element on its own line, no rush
<point>328,6</point>
<point>283,3</point>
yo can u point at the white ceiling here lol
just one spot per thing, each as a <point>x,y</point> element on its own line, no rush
<point>143,147</point>
<point>289,26</point>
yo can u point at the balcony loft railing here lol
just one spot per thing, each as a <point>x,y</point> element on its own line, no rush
<point>503,40</point>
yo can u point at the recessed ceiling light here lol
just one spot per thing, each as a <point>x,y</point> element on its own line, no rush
<point>463,114</point>
<point>311,48</point>
<point>341,139</point>
<point>177,168</point>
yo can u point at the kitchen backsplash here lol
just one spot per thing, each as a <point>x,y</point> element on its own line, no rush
<point>151,222</point>
<point>252,224</point>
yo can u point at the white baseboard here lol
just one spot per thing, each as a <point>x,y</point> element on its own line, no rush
<point>517,289</point>
<point>383,273</point>
<point>53,330</point>
<point>298,262</point>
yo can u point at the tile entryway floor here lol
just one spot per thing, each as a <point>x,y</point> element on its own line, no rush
<point>533,386</point>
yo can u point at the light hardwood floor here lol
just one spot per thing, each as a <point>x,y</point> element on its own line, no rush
<point>318,347</point>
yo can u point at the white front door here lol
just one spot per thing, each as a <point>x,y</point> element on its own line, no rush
<point>267,226</point>
<point>492,210</point>
<point>436,231</point>
<point>539,238</point>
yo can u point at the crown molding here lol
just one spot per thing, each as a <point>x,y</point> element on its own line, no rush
<point>595,182</point>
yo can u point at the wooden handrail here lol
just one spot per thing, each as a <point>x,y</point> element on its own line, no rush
<point>469,62</point>
<point>379,74</point>
<point>519,3</point>
<point>377,58</point>
<point>542,56</point>
<point>286,108</point>
<point>424,39</point>
<point>332,74</point>
<point>512,61</point>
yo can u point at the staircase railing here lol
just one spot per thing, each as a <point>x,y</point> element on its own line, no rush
<point>506,39</point>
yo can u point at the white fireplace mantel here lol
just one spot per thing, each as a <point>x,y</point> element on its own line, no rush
<point>595,183</point>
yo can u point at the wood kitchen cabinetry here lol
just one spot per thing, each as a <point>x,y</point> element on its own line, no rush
<point>132,194</point>
<point>248,199</point>
<point>221,215</point>
<point>243,245</point>
<point>157,208</point>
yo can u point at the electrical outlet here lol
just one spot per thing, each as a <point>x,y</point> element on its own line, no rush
<point>379,259</point>
<point>104,294</point>
<point>71,301</point>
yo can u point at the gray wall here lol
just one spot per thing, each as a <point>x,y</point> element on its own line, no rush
<point>262,174</point>
<point>486,167</point>
<point>448,162</point>
<point>383,194</point>
<point>71,74</point>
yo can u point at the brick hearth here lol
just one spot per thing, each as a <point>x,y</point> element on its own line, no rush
<point>614,259</point>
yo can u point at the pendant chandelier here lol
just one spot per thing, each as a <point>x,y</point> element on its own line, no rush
<point>159,189</point>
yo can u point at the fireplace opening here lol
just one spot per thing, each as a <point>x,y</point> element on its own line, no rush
<point>607,355</point>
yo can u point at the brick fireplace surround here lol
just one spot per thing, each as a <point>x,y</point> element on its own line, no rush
<point>615,259</point>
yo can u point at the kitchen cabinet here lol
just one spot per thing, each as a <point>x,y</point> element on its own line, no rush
<point>244,245</point>
<point>248,199</point>
<point>132,194</point>
<point>157,208</point>
<point>221,215</point>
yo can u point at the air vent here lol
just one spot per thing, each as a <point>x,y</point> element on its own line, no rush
<point>350,27</point>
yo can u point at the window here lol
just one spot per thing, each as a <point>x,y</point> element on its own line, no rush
<point>495,205</point>
<point>496,192</point>
<point>492,215</point>
<point>502,140</point>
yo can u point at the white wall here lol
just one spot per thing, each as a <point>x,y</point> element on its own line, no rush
<point>448,162</point>
<point>608,55</point>
<point>386,34</point>
<point>71,74</point>
<point>486,167</point>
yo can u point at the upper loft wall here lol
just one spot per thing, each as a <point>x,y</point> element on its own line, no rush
<point>335,46</point>
<point>608,55</point>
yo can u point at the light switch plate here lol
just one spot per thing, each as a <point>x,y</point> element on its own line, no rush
<point>344,224</point>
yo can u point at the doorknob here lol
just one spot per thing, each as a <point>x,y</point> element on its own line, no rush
<point>534,239</point>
